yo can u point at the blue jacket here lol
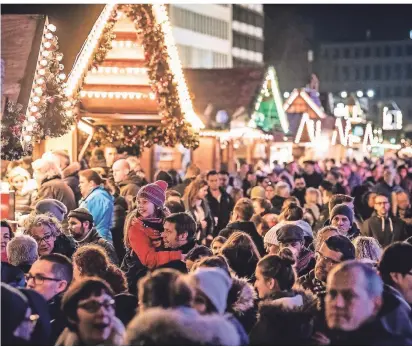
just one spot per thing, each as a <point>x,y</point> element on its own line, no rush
<point>100,204</point>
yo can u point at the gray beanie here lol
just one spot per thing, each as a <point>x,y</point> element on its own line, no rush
<point>215,284</point>
<point>53,206</point>
<point>343,210</point>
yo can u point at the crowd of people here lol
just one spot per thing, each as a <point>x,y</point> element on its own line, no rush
<point>312,253</point>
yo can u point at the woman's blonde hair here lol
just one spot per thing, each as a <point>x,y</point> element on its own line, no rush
<point>191,191</point>
<point>18,171</point>
<point>312,190</point>
<point>36,220</point>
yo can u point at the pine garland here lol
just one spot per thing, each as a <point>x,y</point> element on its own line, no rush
<point>11,130</point>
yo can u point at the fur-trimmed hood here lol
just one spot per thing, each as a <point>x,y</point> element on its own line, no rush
<point>116,338</point>
<point>71,170</point>
<point>181,326</point>
<point>280,322</point>
<point>241,296</point>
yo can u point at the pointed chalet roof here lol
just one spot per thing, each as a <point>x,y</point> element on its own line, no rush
<point>300,102</point>
<point>118,90</point>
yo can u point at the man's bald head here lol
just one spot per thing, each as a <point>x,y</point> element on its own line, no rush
<point>121,169</point>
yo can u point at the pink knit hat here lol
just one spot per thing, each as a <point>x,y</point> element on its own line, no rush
<point>154,192</point>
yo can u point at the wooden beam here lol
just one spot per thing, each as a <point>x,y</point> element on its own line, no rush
<point>122,119</point>
<point>117,88</point>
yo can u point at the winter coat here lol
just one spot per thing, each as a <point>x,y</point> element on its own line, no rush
<point>209,231</point>
<point>70,175</point>
<point>180,265</point>
<point>353,233</point>
<point>116,338</point>
<point>221,210</point>
<point>391,327</point>
<point>241,302</point>
<point>373,227</point>
<point>64,245</point>
<point>248,228</point>
<point>130,187</point>
<point>285,319</point>
<point>306,262</point>
<point>23,201</point>
<point>12,275</point>
<point>93,237</point>
<point>100,204</point>
<point>313,180</point>
<point>55,188</point>
<point>58,320</point>
<point>119,218</point>
<point>180,326</point>
<point>142,255</point>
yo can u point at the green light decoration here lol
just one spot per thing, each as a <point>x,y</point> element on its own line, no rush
<point>269,114</point>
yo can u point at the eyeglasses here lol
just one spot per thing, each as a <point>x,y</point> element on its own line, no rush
<point>320,256</point>
<point>39,279</point>
<point>94,306</point>
<point>45,238</point>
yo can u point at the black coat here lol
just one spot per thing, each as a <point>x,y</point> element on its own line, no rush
<point>248,228</point>
<point>220,210</point>
<point>373,227</point>
<point>391,327</point>
<point>71,176</point>
<point>58,318</point>
<point>64,245</point>
<point>117,229</point>
<point>94,238</point>
<point>182,186</point>
<point>12,275</point>
<point>180,265</point>
<point>277,203</point>
<point>200,233</point>
<point>300,194</point>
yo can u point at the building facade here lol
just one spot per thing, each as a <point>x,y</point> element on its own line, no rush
<point>248,34</point>
<point>203,34</point>
<point>384,68</point>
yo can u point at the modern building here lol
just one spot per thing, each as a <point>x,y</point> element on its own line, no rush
<point>381,70</point>
<point>203,34</point>
<point>248,34</point>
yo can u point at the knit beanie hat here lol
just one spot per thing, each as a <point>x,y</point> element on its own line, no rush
<point>82,214</point>
<point>215,284</point>
<point>154,192</point>
<point>343,210</point>
<point>53,206</point>
<point>271,237</point>
<point>257,192</point>
<point>13,310</point>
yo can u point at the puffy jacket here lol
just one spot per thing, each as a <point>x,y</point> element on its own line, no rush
<point>100,204</point>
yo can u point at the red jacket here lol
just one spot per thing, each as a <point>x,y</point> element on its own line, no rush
<point>140,239</point>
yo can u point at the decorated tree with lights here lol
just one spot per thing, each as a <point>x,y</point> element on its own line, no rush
<point>49,112</point>
<point>269,114</point>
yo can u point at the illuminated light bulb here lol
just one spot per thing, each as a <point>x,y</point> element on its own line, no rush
<point>47,44</point>
<point>129,70</point>
<point>90,94</point>
<point>38,90</point>
<point>100,69</point>
<point>138,95</point>
<point>128,44</point>
<point>62,76</point>
<point>59,56</point>
<point>83,93</point>
<point>29,128</point>
<point>45,53</point>
<point>51,27</point>
<point>43,62</point>
<point>124,95</point>
<point>114,44</point>
<point>34,109</point>
<point>132,95</point>
<point>344,94</point>
<point>110,95</point>
<point>94,70</point>
<point>121,44</point>
<point>108,70</point>
<point>97,95</point>
<point>104,95</point>
<point>42,72</point>
<point>32,119</point>
<point>117,95</point>
<point>115,69</point>
<point>122,71</point>
<point>67,104</point>
<point>49,36</point>
<point>36,99</point>
<point>27,138</point>
<point>151,96</point>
